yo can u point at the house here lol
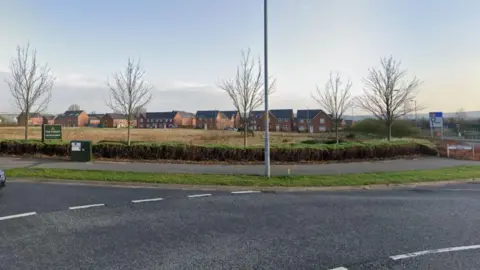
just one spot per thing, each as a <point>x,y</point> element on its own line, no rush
<point>313,121</point>
<point>256,121</point>
<point>212,120</point>
<point>234,117</point>
<point>282,120</point>
<point>116,120</point>
<point>94,119</point>
<point>184,119</point>
<point>279,120</point>
<point>49,119</point>
<point>34,119</point>
<point>72,119</point>
<point>170,119</point>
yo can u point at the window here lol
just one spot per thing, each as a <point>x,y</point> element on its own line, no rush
<point>141,120</point>
<point>285,127</point>
<point>322,121</point>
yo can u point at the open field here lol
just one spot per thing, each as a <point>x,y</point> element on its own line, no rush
<point>189,136</point>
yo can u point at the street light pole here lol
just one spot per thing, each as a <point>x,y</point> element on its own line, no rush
<point>265,62</point>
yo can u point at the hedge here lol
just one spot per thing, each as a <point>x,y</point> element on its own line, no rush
<point>280,153</point>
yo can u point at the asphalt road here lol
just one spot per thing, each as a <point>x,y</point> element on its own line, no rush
<point>362,229</point>
<point>311,169</point>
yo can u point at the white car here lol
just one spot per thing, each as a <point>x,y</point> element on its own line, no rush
<point>3,179</point>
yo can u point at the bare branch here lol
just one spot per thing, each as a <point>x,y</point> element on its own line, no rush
<point>129,92</point>
<point>334,98</point>
<point>246,90</point>
<point>30,83</point>
<point>386,92</point>
<point>74,107</point>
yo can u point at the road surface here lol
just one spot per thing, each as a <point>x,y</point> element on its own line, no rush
<point>56,226</point>
<point>311,169</point>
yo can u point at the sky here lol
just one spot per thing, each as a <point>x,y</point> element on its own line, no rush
<point>188,46</point>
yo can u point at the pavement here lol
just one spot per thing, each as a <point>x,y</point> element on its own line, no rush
<point>423,163</point>
<point>59,226</point>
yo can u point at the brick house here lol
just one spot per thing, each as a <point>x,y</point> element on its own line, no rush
<point>256,121</point>
<point>49,119</point>
<point>234,117</point>
<point>282,120</point>
<point>171,119</point>
<point>184,119</point>
<point>116,120</point>
<point>279,120</point>
<point>72,119</point>
<point>34,119</point>
<point>94,119</point>
<point>313,121</point>
<point>212,120</point>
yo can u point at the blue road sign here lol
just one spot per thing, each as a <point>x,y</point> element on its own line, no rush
<point>436,119</point>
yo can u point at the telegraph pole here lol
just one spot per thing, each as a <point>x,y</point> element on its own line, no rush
<point>266,88</point>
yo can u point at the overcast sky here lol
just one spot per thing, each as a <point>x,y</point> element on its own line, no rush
<point>187,46</point>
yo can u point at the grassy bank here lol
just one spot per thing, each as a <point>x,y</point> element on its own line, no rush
<point>453,173</point>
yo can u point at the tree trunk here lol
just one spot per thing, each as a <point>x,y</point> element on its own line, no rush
<point>336,131</point>
<point>26,125</point>
<point>128,129</point>
<point>245,131</point>
<point>389,131</point>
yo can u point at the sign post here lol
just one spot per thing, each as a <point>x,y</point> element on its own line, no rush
<point>51,132</point>
<point>436,121</point>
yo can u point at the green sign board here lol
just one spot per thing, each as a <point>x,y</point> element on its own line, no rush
<point>51,132</point>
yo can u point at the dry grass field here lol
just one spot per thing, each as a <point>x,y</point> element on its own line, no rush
<point>190,136</point>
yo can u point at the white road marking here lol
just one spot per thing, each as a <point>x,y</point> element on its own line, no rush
<point>432,251</point>
<point>459,189</point>
<point>147,200</point>
<point>86,206</point>
<point>339,268</point>
<point>199,195</point>
<point>18,215</point>
<point>245,192</point>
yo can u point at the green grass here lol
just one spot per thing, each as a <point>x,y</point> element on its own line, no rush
<point>453,173</point>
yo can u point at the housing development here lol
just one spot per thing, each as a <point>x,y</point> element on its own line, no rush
<point>281,120</point>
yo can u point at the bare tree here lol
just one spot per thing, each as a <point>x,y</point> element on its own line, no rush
<point>334,98</point>
<point>128,92</point>
<point>139,111</point>
<point>386,92</point>
<point>74,107</point>
<point>246,90</point>
<point>30,83</point>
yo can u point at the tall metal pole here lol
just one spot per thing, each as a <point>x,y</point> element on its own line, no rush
<point>265,62</point>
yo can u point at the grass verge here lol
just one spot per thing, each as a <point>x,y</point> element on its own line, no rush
<point>453,173</point>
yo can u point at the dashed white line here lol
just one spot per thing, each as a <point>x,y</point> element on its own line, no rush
<point>432,251</point>
<point>199,195</point>
<point>18,215</point>
<point>339,268</point>
<point>86,206</point>
<point>147,200</point>
<point>245,192</point>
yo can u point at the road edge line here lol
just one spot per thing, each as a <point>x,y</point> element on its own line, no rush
<point>18,215</point>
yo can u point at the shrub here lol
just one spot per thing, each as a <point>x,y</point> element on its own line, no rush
<point>281,153</point>
<point>377,128</point>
